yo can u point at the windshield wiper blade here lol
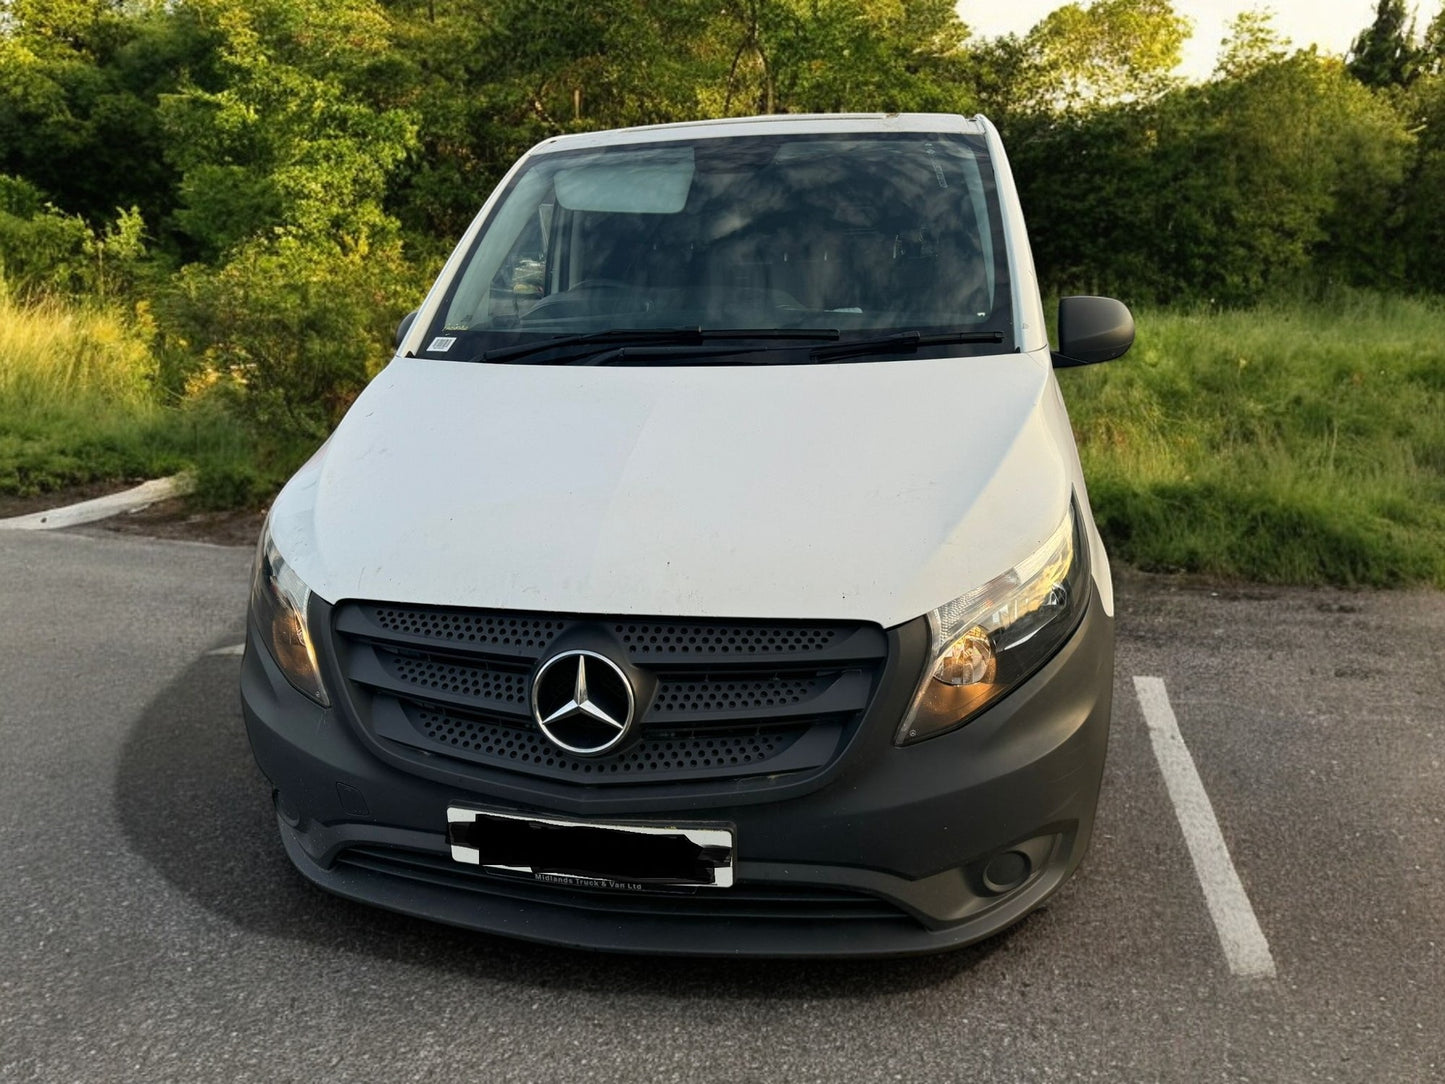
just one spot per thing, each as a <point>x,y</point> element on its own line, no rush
<point>653,336</point>
<point>626,355</point>
<point>712,355</point>
<point>669,335</point>
<point>901,341</point>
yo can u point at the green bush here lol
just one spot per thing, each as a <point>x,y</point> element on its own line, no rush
<point>292,330</point>
<point>44,251</point>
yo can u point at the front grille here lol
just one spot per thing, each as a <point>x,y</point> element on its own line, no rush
<point>695,755</point>
<point>759,900</point>
<point>730,699</point>
<point>526,635</point>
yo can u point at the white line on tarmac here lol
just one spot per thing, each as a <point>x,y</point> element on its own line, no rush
<point>229,649</point>
<point>1243,941</point>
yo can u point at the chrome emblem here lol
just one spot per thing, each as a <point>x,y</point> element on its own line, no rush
<point>582,702</point>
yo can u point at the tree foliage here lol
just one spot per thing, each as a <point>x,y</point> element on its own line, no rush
<point>535,68</point>
<point>292,140</point>
<point>1252,43</point>
<point>1422,214</point>
<point>81,83</point>
<point>1103,53</point>
<point>277,179</point>
<point>291,330</point>
<point>1202,194</point>
<point>1384,54</point>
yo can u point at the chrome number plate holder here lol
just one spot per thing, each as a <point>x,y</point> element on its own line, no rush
<point>584,853</point>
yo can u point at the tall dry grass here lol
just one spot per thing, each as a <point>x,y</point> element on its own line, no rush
<point>54,353</point>
<point>80,403</point>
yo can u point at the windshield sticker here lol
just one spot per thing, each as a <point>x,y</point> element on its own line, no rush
<point>441,343</point>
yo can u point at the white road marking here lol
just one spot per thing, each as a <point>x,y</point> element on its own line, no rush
<point>229,649</point>
<point>1243,941</point>
<point>131,500</point>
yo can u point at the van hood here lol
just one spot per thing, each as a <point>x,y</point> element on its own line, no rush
<point>872,491</point>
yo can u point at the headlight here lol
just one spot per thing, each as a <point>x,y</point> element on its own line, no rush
<point>991,639</point>
<point>278,609</point>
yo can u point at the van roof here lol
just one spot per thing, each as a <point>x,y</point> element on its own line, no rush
<point>803,123</point>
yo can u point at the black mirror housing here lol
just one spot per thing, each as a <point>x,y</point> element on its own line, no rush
<point>1091,330</point>
<point>405,325</point>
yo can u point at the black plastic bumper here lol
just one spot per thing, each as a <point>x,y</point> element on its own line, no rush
<point>883,855</point>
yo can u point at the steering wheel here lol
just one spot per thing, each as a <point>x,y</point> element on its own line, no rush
<point>600,284</point>
<point>576,296</point>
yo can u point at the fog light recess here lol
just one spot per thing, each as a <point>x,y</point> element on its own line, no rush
<point>1006,871</point>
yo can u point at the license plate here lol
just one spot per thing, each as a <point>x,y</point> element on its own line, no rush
<point>581,852</point>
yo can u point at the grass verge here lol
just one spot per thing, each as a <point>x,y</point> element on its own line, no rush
<point>1300,443</point>
<point>80,404</point>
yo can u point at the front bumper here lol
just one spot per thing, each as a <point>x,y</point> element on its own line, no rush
<point>885,854</point>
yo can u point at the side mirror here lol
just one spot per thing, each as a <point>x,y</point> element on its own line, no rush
<point>1091,330</point>
<point>405,325</point>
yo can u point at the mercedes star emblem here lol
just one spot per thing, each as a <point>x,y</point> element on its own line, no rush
<point>583,702</point>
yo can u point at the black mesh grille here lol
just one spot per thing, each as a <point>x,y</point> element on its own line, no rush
<point>698,641</point>
<point>709,696</point>
<point>637,638</point>
<point>731,754</point>
<point>469,627</point>
<point>468,679</point>
<point>722,698</point>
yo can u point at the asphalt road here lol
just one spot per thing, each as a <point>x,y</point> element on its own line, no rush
<point>152,929</point>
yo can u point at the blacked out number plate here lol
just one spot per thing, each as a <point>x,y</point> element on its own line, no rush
<point>583,853</point>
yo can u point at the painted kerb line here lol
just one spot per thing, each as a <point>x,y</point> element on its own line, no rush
<point>1243,941</point>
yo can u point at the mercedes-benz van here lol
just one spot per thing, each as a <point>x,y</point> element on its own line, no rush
<point>711,570</point>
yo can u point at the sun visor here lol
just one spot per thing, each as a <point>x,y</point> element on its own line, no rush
<point>645,182</point>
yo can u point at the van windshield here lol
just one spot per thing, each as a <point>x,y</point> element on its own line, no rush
<point>857,237</point>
